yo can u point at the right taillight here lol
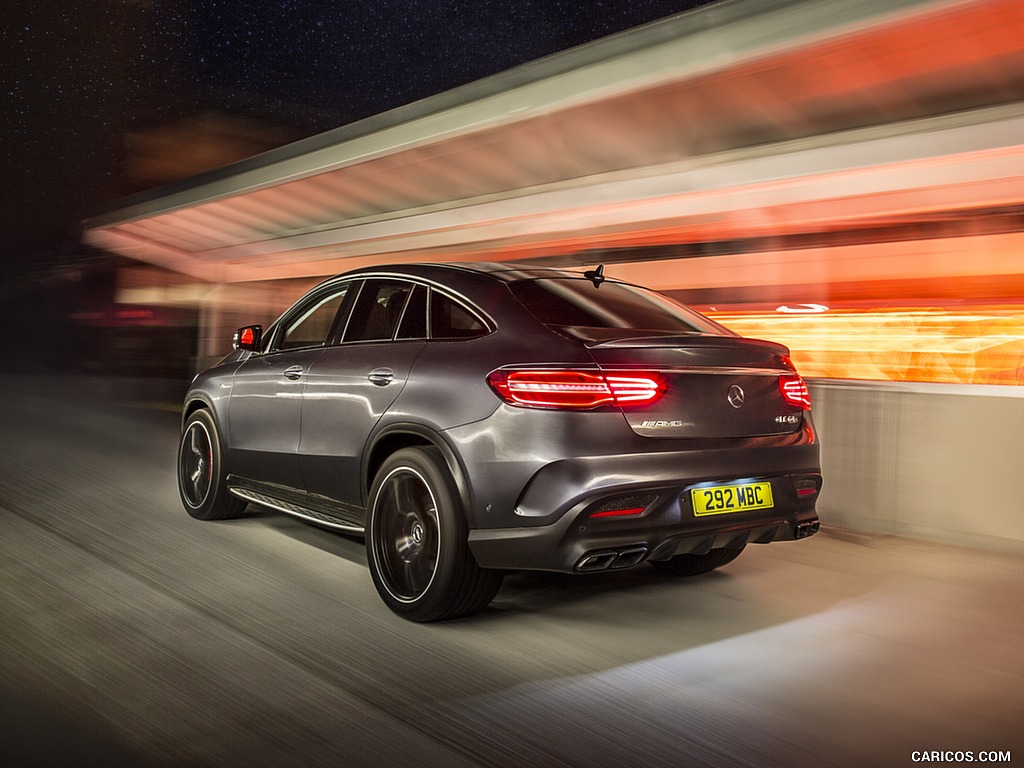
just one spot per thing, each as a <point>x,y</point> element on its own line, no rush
<point>794,390</point>
<point>575,389</point>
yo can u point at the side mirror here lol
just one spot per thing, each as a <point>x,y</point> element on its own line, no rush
<point>248,337</point>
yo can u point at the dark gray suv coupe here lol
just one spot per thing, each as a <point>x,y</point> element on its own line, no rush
<point>473,419</point>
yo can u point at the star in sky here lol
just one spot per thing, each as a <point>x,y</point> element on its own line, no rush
<point>361,57</point>
<point>76,83</point>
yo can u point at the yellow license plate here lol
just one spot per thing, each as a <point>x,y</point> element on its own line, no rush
<point>719,499</point>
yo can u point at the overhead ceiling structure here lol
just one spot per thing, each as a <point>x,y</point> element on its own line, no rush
<point>739,120</point>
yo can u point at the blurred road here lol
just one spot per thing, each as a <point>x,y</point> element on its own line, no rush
<point>132,634</point>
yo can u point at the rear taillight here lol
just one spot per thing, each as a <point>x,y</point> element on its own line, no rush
<point>575,389</point>
<point>794,390</point>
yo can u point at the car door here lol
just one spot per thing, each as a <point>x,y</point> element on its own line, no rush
<point>265,407</point>
<point>351,385</point>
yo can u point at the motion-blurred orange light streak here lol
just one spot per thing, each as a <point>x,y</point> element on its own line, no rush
<point>976,345</point>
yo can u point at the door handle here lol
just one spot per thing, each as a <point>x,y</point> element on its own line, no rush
<point>381,376</point>
<point>293,373</point>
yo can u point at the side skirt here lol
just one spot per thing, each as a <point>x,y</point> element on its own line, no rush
<point>313,509</point>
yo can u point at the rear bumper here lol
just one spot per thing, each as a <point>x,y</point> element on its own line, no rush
<point>578,541</point>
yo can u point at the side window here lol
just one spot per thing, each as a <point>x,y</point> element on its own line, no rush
<point>378,310</point>
<point>311,325</point>
<point>414,319</point>
<point>451,320</point>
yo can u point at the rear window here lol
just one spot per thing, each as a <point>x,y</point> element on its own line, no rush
<point>572,302</point>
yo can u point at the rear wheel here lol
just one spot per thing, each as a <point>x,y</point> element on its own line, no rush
<point>694,565</point>
<point>417,541</point>
<point>201,471</point>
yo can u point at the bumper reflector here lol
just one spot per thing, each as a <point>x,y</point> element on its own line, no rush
<point>619,512</point>
<point>623,506</point>
<point>806,486</point>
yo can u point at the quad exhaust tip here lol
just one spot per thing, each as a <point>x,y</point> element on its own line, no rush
<point>806,528</point>
<point>626,557</point>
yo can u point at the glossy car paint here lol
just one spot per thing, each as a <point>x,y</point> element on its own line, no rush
<point>528,478</point>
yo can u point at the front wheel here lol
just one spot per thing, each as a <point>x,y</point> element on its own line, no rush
<point>694,565</point>
<point>417,542</point>
<point>201,471</point>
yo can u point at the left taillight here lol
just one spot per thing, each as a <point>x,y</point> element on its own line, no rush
<point>574,389</point>
<point>794,390</point>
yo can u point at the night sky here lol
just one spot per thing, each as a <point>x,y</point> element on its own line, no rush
<point>361,58</point>
<point>77,77</point>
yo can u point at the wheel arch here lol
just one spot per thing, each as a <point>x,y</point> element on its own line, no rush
<point>198,400</point>
<point>193,405</point>
<point>397,436</point>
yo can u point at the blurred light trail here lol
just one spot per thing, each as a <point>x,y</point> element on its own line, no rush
<point>966,345</point>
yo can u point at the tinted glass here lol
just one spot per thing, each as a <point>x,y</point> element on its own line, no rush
<point>569,302</point>
<point>378,310</point>
<point>414,319</point>
<point>311,325</point>
<point>451,320</point>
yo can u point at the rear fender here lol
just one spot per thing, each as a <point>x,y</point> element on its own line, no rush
<point>401,435</point>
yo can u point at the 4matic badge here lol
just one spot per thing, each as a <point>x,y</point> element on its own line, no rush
<point>791,418</point>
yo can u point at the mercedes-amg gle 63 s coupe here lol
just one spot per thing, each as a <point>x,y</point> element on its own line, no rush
<point>468,420</point>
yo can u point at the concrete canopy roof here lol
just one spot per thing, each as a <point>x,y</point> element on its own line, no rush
<point>739,118</point>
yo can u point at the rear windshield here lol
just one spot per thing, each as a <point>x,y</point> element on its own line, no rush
<point>578,303</point>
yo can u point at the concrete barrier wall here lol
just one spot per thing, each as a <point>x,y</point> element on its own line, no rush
<point>938,462</point>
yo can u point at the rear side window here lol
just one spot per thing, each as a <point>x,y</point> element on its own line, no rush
<point>414,319</point>
<point>572,302</point>
<point>389,309</point>
<point>451,320</point>
<point>378,309</point>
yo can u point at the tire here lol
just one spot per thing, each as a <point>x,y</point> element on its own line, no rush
<point>417,544</point>
<point>694,565</point>
<point>201,471</point>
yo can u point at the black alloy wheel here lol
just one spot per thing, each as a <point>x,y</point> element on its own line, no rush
<point>417,541</point>
<point>201,471</point>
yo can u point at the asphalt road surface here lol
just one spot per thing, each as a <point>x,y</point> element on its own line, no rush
<point>131,634</point>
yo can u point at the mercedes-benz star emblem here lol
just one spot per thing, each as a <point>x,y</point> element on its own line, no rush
<point>736,396</point>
